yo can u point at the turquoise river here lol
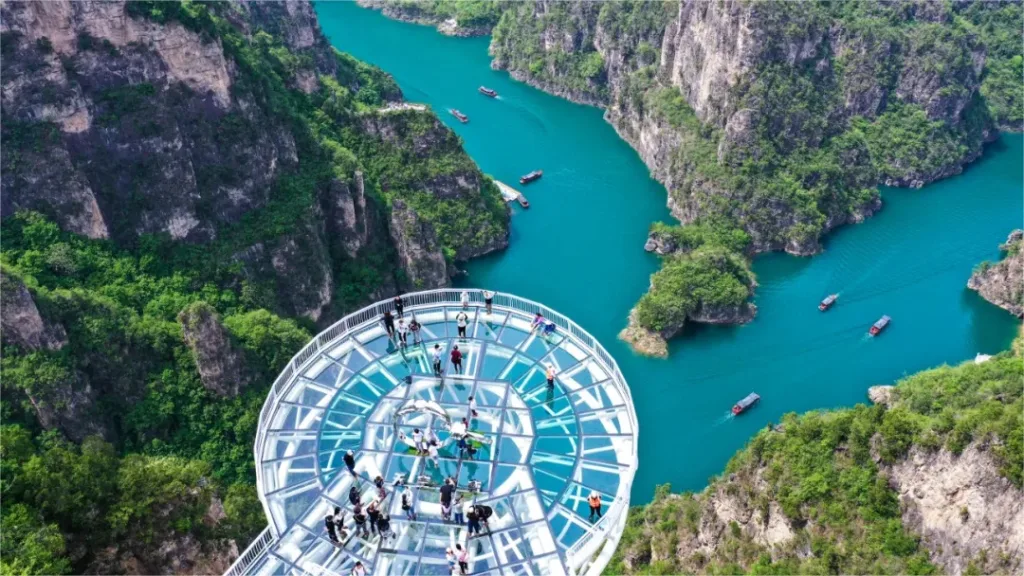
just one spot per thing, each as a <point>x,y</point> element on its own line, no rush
<point>579,249</point>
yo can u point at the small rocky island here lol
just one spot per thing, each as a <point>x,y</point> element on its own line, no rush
<point>1002,283</point>
<point>704,278</point>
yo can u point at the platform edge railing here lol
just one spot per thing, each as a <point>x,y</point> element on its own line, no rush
<point>256,549</point>
<point>442,296</point>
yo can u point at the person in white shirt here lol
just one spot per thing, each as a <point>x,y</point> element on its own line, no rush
<point>432,451</point>
<point>488,300</point>
<point>464,297</point>
<point>437,360</point>
<point>403,332</point>
<point>417,439</point>
<point>472,406</point>
<point>462,320</point>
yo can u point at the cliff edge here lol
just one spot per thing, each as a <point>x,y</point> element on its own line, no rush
<point>1002,283</point>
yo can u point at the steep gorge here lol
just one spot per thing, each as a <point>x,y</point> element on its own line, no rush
<point>188,191</point>
<point>776,119</point>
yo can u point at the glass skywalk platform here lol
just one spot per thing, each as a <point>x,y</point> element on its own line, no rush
<point>540,450</point>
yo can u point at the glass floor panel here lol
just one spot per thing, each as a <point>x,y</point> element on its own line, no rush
<point>530,452</point>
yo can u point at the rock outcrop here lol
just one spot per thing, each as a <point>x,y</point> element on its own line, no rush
<point>150,124</point>
<point>219,360</point>
<point>64,400</point>
<point>422,13</point>
<point>20,322</point>
<point>880,394</point>
<point>886,488</point>
<point>965,512</point>
<point>723,59</point>
<point>121,122</point>
<point>1002,283</point>
<point>419,253</point>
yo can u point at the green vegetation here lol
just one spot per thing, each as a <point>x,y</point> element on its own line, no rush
<point>482,14</point>
<point>138,449</point>
<point>893,95</point>
<point>707,280</point>
<point>119,311</point>
<point>819,470</point>
<point>998,25</point>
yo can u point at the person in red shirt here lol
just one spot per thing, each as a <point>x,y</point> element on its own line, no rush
<point>457,359</point>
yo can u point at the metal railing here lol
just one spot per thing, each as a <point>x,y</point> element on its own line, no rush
<point>256,549</point>
<point>371,314</point>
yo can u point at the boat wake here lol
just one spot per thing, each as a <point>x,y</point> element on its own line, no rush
<point>723,419</point>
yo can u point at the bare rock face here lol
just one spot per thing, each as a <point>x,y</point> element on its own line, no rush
<point>419,253</point>
<point>724,314</point>
<point>714,54</point>
<point>116,125</point>
<point>173,553</point>
<point>643,341</point>
<point>350,214</point>
<point>20,321</point>
<point>302,267</point>
<point>880,394</point>
<point>221,363</point>
<point>961,506</point>
<point>1002,283</point>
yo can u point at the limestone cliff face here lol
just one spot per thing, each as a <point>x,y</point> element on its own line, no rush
<point>141,111</point>
<point>20,322</point>
<point>724,58</point>
<point>220,362</point>
<point>964,511</point>
<point>418,249</point>
<point>117,124</point>
<point>65,401</point>
<point>1002,283</point>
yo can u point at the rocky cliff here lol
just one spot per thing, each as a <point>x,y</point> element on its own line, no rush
<point>1002,283</point>
<point>187,190</point>
<point>921,482</point>
<point>763,81</point>
<point>220,362</point>
<point>459,18</point>
<point>125,121</point>
<point>779,119</point>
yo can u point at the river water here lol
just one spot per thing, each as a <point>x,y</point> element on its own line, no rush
<point>579,249</point>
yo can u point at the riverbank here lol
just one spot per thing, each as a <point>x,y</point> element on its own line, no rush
<point>579,249</point>
<point>781,152</point>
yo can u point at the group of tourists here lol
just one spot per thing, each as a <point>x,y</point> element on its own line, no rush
<point>461,556</point>
<point>372,518</point>
<point>401,330</point>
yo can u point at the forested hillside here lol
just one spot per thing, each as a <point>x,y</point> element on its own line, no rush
<point>190,191</point>
<point>926,481</point>
<point>769,121</point>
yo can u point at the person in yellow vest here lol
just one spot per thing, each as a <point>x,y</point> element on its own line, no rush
<point>595,504</point>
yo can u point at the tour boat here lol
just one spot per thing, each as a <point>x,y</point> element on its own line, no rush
<point>828,302</point>
<point>877,327</point>
<point>488,92</point>
<point>462,117</point>
<point>746,403</point>
<point>523,201</point>
<point>531,177</point>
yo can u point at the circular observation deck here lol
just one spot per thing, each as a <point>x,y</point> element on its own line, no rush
<point>538,453</point>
